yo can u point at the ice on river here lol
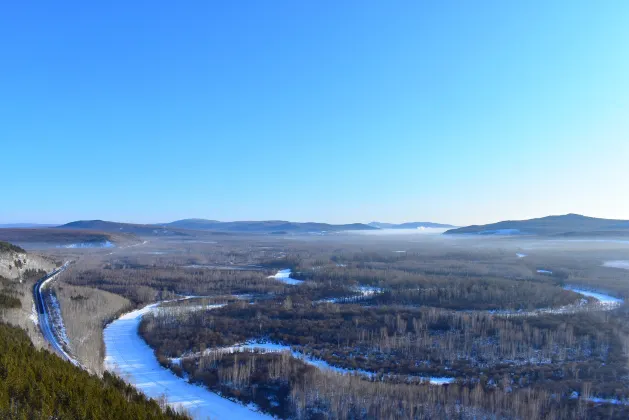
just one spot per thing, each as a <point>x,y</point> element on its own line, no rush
<point>284,277</point>
<point>318,363</point>
<point>127,354</point>
<point>617,264</point>
<point>601,297</point>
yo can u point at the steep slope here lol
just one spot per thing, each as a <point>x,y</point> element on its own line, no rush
<point>15,262</point>
<point>36,384</point>
<point>563,225</point>
<point>53,237</point>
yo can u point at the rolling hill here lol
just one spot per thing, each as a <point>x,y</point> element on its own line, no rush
<point>60,237</point>
<point>117,227</point>
<point>264,226</point>
<point>564,225</point>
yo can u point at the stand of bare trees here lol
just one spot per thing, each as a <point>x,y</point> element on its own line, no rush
<point>85,311</point>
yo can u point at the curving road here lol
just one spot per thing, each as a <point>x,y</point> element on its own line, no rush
<point>45,323</point>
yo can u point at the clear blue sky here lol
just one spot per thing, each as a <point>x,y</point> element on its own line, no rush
<point>338,111</point>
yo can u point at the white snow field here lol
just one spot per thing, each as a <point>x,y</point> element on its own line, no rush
<point>617,264</point>
<point>601,297</point>
<point>128,355</point>
<point>284,277</point>
<point>519,255</point>
<point>603,303</point>
<point>363,292</point>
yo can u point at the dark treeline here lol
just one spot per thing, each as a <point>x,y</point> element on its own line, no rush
<point>35,384</point>
<point>9,247</point>
<point>444,290</point>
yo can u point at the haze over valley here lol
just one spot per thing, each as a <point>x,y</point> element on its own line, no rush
<point>314,210</point>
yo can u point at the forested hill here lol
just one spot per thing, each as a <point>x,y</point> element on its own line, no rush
<point>35,384</point>
<point>7,247</point>
<point>564,225</point>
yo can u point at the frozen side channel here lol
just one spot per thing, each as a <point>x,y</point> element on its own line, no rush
<point>128,355</point>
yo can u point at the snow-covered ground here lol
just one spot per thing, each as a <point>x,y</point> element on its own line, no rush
<point>127,354</point>
<point>617,264</point>
<point>57,321</point>
<point>362,292</point>
<point>50,323</point>
<point>604,299</point>
<point>318,363</point>
<point>186,308</point>
<point>603,302</point>
<point>607,401</point>
<point>541,271</point>
<point>284,277</point>
<point>519,255</point>
<point>33,316</point>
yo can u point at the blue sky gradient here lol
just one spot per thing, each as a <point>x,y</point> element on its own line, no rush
<point>454,112</point>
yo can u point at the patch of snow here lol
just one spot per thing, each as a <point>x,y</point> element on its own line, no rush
<point>186,308</point>
<point>604,302</point>
<point>57,321</point>
<point>520,255</point>
<point>364,292</point>
<point>601,297</point>
<point>440,380</point>
<point>541,271</point>
<point>127,354</point>
<point>617,264</point>
<point>284,277</point>
<point>607,401</point>
<point>33,316</point>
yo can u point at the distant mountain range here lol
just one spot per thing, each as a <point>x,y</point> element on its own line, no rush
<point>24,225</point>
<point>569,225</point>
<point>264,226</point>
<point>117,227</point>
<point>565,225</point>
<point>409,225</point>
<point>186,226</point>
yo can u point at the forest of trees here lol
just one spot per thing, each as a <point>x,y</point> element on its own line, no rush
<point>9,247</point>
<point>471,346</point>
<point>35,384</point>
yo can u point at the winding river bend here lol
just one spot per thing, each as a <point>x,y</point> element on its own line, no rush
<point>128,355</point>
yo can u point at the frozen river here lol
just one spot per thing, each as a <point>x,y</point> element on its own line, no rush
<point>128,355</point>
